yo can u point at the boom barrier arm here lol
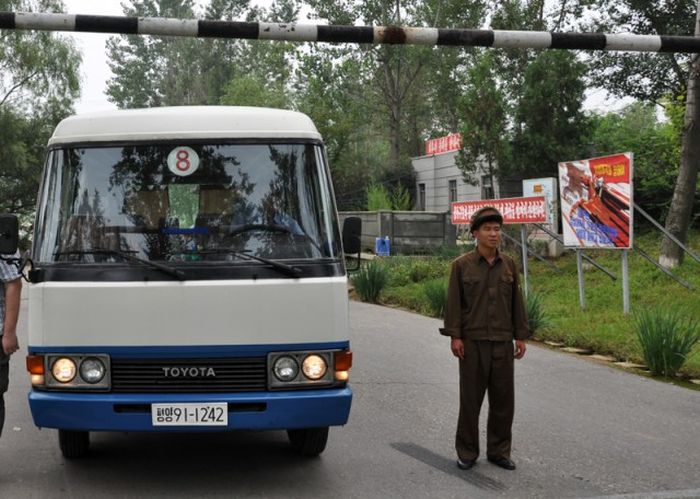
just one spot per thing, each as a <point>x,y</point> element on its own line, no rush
<point>294,32</point>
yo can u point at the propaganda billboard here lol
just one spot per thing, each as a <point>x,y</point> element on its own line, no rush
<point>514,210</point>
<point>596,202</point>
<point>439,145</point>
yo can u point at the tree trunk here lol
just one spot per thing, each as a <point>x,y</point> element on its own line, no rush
<point>681,209</point>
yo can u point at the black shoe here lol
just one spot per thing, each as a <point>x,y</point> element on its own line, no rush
<point>503,462</point>
<point>465,465</point>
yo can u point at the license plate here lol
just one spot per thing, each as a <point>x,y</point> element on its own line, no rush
<point>214,414</point>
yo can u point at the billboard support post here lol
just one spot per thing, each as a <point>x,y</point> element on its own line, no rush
<point>581,285</point>
<point>625,282</point>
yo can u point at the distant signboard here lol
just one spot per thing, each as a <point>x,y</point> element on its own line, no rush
<point>514,210</point>
<point>546,187</point>
<point>596,201</point>
<point>452,142</point>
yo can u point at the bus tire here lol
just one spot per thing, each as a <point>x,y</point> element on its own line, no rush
<point>73,444</point>
<point>308,442</point>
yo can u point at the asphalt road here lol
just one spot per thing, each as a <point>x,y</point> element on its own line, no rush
<point>581,430</point>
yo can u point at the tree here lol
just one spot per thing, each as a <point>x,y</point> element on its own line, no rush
<point>483,112</point>
<point>38,85</point>
<point>247,91</point>
<point>165,71</point>
<point>646,77</point>
<point>681,211</point>
<point>658,78</point>
<point>656,151</point>
<point>147,68</point>
<point>549,124</point>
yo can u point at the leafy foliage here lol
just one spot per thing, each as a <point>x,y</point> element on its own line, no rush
<point>169,71</point>
<point>647,77</point>
<point>656,147</point>
<point>550,126</point>
<point>666,338</point>
<point>484,145</point>
<point>38,85</point>
<point>378,198</point>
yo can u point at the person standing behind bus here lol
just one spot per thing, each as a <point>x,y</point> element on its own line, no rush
<point>484,314</point>
<point>10,293</point>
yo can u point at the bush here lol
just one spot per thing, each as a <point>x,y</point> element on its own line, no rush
<point>436,293</point>
<point>378,198</point>
<point>449,251</point>
<point>666,339</point>
<point>370,280</point>
<point>536,317</point>
<point>426,268</point>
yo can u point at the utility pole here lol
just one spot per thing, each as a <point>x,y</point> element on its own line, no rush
<point>681,210</point>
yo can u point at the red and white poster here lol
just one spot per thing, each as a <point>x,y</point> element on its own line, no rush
<point>596,202</point>
<point>514,210</point>
<point>452,142</point>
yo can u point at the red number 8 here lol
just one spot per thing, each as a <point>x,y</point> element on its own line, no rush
<point>183,158</point>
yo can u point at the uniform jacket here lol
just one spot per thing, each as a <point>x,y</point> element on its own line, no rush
<point>485,302</point>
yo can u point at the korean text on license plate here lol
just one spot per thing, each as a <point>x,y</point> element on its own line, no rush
<point>190,414</point>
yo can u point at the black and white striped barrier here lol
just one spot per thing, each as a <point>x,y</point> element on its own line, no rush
<point>347,34</point>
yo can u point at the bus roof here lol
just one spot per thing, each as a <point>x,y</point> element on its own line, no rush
<point>184,122</point>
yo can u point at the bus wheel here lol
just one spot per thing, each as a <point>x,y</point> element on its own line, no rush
<point>73,444</point>
<point>309,442</point>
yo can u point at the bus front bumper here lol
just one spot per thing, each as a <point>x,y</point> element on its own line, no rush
<point>246,411</point>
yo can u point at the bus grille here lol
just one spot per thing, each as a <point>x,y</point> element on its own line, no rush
<point>189,375</point>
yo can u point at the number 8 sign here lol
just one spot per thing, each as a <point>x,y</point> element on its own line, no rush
<point>183,161</point>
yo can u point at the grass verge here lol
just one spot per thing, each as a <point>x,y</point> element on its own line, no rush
<point>602,327</point>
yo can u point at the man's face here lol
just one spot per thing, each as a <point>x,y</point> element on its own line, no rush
<point>488,235</point>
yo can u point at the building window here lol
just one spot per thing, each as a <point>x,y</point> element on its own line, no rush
<point>421,197</point>
<point>486,187</point>
<point>453,191</point>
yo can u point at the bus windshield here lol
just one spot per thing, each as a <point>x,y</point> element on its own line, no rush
<point>186,203</point>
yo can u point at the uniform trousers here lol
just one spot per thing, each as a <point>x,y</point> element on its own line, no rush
<point>487,366</point>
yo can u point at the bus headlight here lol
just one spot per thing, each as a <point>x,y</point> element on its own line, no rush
<point>314,367</point>
<point>301,369</point>
<point>63,370</point>
<point>92,370</point>
<point>286,369</point>
<point>73,371</point>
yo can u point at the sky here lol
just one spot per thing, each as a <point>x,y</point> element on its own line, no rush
<point>96,72</point>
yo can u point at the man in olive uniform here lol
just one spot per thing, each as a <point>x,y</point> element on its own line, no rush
<point>484,315</point>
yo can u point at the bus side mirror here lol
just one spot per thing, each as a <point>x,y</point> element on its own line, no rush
<point>352,230</point>
<point>9,234</point>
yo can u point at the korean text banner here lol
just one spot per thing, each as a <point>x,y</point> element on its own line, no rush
<point>514,210</point>
<point>596,202</point>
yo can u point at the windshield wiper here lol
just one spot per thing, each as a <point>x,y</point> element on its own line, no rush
<point>126,256</point>
<point>282,267</point>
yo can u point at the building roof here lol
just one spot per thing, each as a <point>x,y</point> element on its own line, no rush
<point>184,122</point>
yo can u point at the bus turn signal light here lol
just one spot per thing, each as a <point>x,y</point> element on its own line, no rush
<point>35,364</point>
<point>343,360</point>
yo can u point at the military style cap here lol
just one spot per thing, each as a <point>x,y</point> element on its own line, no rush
<point>483,215</point>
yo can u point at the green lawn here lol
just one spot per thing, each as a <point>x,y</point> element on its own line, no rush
<point>602,327</point>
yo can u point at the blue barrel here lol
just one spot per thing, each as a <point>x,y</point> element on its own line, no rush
<point>382,246</point>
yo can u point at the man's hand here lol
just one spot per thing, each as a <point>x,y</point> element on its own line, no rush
<point>13,292</point>
<point>457,346</point>
<point>520,349</point>
<point>9,343</point>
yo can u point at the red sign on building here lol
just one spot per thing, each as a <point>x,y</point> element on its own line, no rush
<point>452,142</point>
<point>514,210</point>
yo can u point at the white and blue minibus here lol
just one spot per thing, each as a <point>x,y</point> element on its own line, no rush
<point>188,275</point>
